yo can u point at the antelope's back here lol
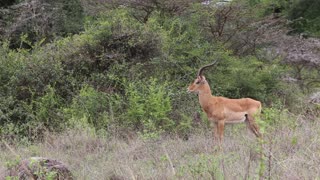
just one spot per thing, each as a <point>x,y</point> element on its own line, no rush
<point>241,105</point>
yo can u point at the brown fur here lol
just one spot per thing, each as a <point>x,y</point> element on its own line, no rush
<point>221,110</point>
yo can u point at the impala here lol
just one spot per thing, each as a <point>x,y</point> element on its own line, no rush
<point>221,110</point>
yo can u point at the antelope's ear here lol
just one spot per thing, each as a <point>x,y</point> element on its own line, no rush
<point>201,78</point>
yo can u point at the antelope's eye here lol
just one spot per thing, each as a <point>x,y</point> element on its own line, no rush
<point>197,82</point>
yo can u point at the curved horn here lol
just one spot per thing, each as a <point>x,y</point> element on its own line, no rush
<point>202,68</point>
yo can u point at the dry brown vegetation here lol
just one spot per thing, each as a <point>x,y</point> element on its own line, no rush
<point>290,151</point>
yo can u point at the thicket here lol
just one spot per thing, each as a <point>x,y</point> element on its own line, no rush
<point>305,18</point>
<point>122,74</point>
<point>39,21</point>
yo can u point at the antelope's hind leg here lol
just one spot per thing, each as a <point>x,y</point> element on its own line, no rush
<point>251,123</point>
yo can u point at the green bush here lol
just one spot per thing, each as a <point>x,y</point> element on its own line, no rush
<point>45,110</point>
<point>245,77</point>
<point>101,77</point>
<point>148,107</point>
<point>41,20</point>
<point>305,16</point>
<point>92,108</point>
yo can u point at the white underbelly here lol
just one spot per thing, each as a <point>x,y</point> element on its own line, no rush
<point>235,117</point>
<point>233,121</point>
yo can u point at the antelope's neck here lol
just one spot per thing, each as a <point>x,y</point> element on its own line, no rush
<point>204,99</point>
<point>205,96</point>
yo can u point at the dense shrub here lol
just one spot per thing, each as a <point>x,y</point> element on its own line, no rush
<point>41,20</point>
<point>149,105</point>
<point>305,16</point>
<point>246,77</point>
<point>92,108</point>
<point>124,74</point>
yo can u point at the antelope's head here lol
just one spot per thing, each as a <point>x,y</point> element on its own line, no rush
<point>200,83</point>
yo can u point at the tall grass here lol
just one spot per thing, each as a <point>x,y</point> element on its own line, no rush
<point>289,153</point>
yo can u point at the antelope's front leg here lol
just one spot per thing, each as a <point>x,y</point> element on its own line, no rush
<point>220,128</point>
<point>215,133</point>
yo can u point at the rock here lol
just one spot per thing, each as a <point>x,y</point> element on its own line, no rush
<point>40,168</point>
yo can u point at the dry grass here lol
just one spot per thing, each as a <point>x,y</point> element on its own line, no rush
<point>290,152</point>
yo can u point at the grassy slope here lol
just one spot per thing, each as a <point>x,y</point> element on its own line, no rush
<point>293,154</point>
